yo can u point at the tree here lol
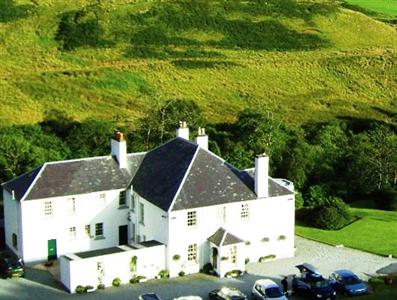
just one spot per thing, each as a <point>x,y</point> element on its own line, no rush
<point>333,214</point>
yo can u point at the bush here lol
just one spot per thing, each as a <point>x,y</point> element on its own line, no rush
<point>247,260</point>
<point>164,274</point>
<point>332,215</point>
<point>176,257</point>
<point>116,281</point>
<point>208,269</point>
<point>138,278</point>
<point>181,273</point>
<point>80,289</point>
<point>298,200</point>
<point>316,196</point>
<point>233,274</point>
<point>266,258</point>
<point>101,286</point>
<point>385,199</point>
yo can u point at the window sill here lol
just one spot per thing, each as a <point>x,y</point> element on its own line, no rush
<point>99,237</point>
<point>123,207</point>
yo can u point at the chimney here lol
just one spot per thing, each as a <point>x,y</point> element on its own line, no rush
<point>183,130</point>
<point>202,139</point>
<point>119,148</point>
<point>262,175</point>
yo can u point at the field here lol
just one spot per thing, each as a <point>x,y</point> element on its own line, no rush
<point>303,60</point>
<point>383,9</point>
<point>372,232</point>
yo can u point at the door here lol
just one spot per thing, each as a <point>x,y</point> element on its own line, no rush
<point>52,249</point>
<point>214,258</point>
<point>123,235</point>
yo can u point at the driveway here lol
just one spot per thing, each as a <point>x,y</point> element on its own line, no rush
<point>39,284</point>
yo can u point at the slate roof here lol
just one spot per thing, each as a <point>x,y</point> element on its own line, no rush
<point>223,238</point>
<point>162,171</point>
<point>74,177</point>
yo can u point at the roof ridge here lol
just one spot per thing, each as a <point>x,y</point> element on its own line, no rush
<point>184,178</point>
<point>223,236</point>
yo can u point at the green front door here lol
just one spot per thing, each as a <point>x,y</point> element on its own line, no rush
<point>52,249</point>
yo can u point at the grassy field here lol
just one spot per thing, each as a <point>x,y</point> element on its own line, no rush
<point>304,60</point>
<point>374,231</point>
<point>384,9</point>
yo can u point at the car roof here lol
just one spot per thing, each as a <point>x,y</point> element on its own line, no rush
<point>308,267</point>
<point>191,297</point>
<point>230,291</point>
<point>344,272</point>
<point>265,282</point>
<point>150,296</point>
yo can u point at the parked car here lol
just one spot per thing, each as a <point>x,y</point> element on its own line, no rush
<point>227,293</point>
<point>11,267</point>
<point>191,297</point>
<point>348,283</point>
<point>267,289</point>
<point>149,296</point>
<point>312,283</point>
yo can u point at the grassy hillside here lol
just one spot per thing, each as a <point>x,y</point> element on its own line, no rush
<point>305,60</point>
<point>383,9</point>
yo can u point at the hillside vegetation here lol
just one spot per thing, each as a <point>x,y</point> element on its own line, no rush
<point>119,59</point>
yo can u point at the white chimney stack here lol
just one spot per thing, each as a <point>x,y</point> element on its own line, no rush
<point>202,138</point>
<point>183,130</point>
<point>262,175</point>
<point>119,149</point>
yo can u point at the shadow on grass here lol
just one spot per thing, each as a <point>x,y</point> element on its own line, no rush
<point>10,11</point>
<point>202,64</point>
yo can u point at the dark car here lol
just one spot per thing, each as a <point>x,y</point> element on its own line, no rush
<point>149,296</point>
<point>227,293</point>
<point>312,283</point>
<point>348,283</point>
<point>11,267</point>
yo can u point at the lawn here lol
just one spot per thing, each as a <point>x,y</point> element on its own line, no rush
<point>385,9</point>
<point>381,291</point>
<point>374,232</point>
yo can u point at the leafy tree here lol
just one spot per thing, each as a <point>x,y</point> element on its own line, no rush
<point>317,195</point>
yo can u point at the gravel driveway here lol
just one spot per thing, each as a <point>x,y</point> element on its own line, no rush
<point>39,284</point>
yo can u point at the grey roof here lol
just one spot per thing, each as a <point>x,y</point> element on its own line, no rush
<point>75,177</point>
<point>223,238</point>
<point>150,243</point>
<point>162,171</point>
<point>99,252</point>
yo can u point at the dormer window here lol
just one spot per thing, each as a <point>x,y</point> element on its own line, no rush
<point>191,218</point>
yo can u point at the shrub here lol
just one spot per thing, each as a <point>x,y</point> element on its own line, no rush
<point>176,257</point>
<point>266,258</point>
<point>223,258</point>
<point>116,281</point>
<point>80,289</point>
<point>332,215</point>
<point>233,274</point>
<point>181,273</point>
<point>247,260</point>
<point>298,200</point>
<point>208,269</point>
<point>385,199</point>
<point>101,286</point>
<point>138,278</point>
<point>316,196</point>
<point>164,274</point>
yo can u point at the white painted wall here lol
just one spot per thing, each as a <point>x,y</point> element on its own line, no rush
<point>37,228</point>
<point>12,222</point>
<point>268,217</point>
<point>77,271</point>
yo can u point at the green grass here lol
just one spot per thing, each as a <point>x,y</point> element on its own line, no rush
<point>304,60</point>
<point>374,232</point>
<point>381,291</point>
<point>384,9</point>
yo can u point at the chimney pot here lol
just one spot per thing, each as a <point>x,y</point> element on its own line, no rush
<point>202,138</point>
<point>119,148</point>
<point>183,130</point>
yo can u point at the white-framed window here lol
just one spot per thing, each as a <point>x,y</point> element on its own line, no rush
<point>233,254</point>
<point>15,241</point>
<point>222,214</point>
<point>244,211</point>
<point>192,218</point>
<point>123,198</point>
<point>192,252</point>
<point>133,231</point>
<point>141,213</point>
<point>87,229</point>
<point>72,232</point>
<point>48,208</point>
<point>71,205</point>
<point>99,229</point>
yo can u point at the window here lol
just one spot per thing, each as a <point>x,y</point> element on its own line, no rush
<point>15,241</point>
<point>87,230</point>
<point>222,214</point>
<point>141,214</point>
<point>72,232</point>
<point>191,218</point>
<point>71,203</point>
<point>244,211</point>
<point>132,201</point>
<point>98,229</point>
<point>48,208</point>
<point>233,254</point>
<point>122,198</point>
<point>192,252</point>
<point>143,238</point>
<point>133,231</point>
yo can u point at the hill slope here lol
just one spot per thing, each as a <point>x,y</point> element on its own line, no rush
<point>305,60</point>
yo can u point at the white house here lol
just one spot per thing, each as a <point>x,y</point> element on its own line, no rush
<point>179,194</point>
